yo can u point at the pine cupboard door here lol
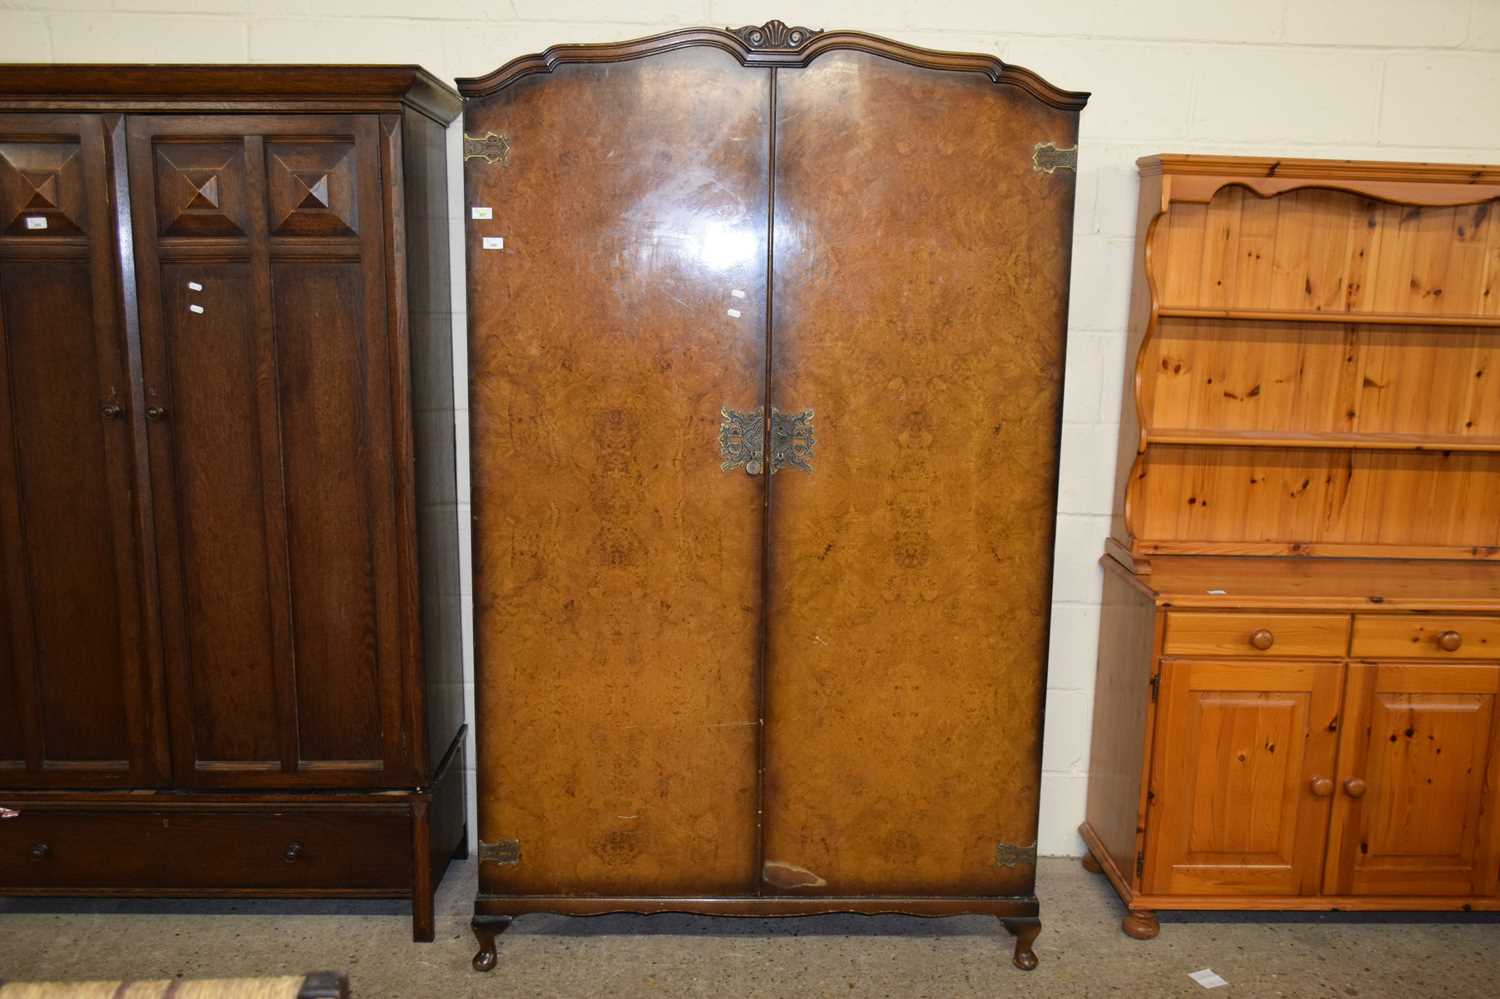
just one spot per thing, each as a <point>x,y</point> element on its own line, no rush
<point>268,382</point>
<point>1241,777</point>
<point>1419,768</point>
<point>616,334</point>
<point>76,683</point>
<point>920,284</point>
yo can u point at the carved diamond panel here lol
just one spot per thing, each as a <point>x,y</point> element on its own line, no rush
<point>311,186</point>
<point>200,188</point>
<point>41,182</point>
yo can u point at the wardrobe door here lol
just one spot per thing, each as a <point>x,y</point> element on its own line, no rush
<point>75,698</point>
<point>617,582</point>
<point>920,289</point>
<point>261,244</point>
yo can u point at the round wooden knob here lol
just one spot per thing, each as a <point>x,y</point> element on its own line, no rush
<point>1354,787</point>
<point>1322,787</point>
<point>1449,641</point>
<point>1262,638</point>
<point>292,853</point>
<point>40,851</point>
<point>156,413</point>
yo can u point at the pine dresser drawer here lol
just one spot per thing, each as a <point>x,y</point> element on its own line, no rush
<point>1254,634</point>
<point>52,849</point>
<point>1397,636</point>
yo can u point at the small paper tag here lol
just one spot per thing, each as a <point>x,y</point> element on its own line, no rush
<point>734,313</point>
<point>194,286</point>
<point>1207,978</point>
<point>737,293</point>
<point>494,242</point>
<point>481,213</point>
<point>195,307</point>
<point>36,221</point>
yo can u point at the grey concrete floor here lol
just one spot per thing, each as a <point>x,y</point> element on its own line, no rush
<point>1081,948</point>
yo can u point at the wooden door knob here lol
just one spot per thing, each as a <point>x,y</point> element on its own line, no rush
<point>1449,641</point>
<point>1355,787</point>
<point>292,853</point>
<point>1322,787</point>
<point>40,851</point>
<point>1262,638</point>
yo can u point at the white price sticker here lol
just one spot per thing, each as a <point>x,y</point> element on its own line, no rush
<point>481,213</point>
<point>194,286</point>
<point>494,242</point>
<point>36,221</point>
<point>196,308</point>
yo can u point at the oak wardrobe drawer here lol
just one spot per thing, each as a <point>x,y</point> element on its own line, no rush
<point>1192,634</point>
<point>167,851</point>
<point>1383,636</point>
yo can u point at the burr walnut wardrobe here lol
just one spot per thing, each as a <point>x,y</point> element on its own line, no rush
<point>766,345</point>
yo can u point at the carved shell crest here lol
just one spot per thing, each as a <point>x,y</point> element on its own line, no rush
<point>775,35</point>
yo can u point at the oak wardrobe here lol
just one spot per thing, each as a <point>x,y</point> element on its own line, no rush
<point>766,338</point>
<point>229,651</point>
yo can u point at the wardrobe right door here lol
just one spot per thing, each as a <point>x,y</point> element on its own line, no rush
<point>920,280</point>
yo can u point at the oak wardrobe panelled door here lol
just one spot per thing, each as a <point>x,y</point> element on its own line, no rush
<point>76,684</point>
<point>262,264</point>
<point>766,340</point>
<point>616,565</point>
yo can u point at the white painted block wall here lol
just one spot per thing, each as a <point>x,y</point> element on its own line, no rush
<point>1372,79</point>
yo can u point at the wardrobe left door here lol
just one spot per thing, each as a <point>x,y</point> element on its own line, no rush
<point>77,693</point>
<point>268,369</point>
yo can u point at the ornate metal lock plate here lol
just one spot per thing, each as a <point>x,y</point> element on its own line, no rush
<point>502,851</point>
<point>491,147</point>
<point>792,440</point>
<point>742,440</point>
<point>1047,158</point>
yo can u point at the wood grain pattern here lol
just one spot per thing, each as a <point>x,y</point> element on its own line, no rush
<point>1208,634</point>
<point>1228,583</point>
<point>1382,637</point>
<point>1237,747</point>
<point>75,670</point>
<point>1289,338</point>
<point>910,572</point>
<point>1119,748</point>
<point>1423,740</point>
<point>616,567</point>
<point>229,472</point>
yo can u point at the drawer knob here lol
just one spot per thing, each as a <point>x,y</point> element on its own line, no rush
<point>1262,638</point>
<point>1322,787</point>
<point>40,851</point>
<point>1449,641</point>
<point>292,853</point>
<point>1355,787</point>
<point>156,414</point>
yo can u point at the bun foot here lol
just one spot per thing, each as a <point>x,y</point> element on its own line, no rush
<point>486,929</point>
<point>1025,931</point>
<point>1091,865</point>
<point>1140,924</point>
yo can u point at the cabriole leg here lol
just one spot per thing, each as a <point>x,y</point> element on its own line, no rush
<point>486,929</point>
<point>1025,931</point>
<point>1091,865</point>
